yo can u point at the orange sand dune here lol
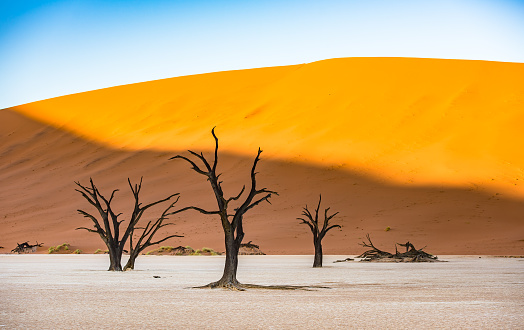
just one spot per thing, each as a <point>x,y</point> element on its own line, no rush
<point>40,163</point>
<point>411,121</point>
<point>429,148</point>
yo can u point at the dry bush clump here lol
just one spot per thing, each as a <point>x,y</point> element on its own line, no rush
<point>62,248</point>
<point>183,251</point>
<point>250,249</point>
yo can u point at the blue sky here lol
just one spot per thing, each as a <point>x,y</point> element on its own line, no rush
<point>53,48</point>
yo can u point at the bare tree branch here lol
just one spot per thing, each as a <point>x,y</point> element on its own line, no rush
<point>160,201</point>
<point>165,239</point>
<point>265,198</point>
<point>236,197</point>
<point>89,230</point>
<point>194,166</point>
<point>194,208</point>
<point>307,223</point>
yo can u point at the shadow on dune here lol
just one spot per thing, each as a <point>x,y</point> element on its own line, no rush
<point>39,164</point>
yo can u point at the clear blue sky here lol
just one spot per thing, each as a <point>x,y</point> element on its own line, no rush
<point>53,48</point>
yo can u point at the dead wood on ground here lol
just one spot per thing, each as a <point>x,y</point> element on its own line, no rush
<point>244,286</point>
<point>410,255</point>
<point>26,247</point>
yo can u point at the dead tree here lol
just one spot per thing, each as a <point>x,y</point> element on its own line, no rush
<point>410,255</point>
<point>145,239</point>
<point>414,255</point>
<point>318,233</point>
<point>26,247</point>
<point>109,226</point>
<point>231,222</point>
<point>373,253</point>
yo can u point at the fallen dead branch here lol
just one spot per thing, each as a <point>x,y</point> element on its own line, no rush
<point>26,247</point>
<point>410,255</point>
<point>243,286</point>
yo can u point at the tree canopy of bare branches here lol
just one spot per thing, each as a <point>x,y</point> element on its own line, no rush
<point>108,225</point>
<point>318,232</point>
<point>231,221</point>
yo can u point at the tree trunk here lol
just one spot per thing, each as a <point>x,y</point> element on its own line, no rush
<point>318,254</point>
<point>115,260</point>
<point>130,265</point>
<point>229,278</point>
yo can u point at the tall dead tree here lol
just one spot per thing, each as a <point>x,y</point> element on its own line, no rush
<point>318,233</point>
<point>231,223</point>
<point>109,226</point>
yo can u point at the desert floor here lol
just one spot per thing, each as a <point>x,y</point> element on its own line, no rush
<point>75,291</point>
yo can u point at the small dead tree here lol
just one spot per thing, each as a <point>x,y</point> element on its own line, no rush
<point>318,233</point>
<point>231,222</point>
<point>109,227</point>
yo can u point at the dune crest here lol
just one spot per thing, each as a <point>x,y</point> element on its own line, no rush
<point>406,120</point>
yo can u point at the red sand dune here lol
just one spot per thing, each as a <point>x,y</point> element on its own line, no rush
<point>430,148</point>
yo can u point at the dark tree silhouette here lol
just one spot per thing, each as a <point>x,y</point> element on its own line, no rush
<point>318,233</point>
<point>109,227</point>
<point>231,223</point>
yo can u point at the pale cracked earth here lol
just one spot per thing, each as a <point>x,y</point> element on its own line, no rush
<point>75,292</point>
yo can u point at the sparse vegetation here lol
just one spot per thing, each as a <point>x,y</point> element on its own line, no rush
<point>163,249</point>
<point>250,249</point>
<point>58,248</point>
<point>100,251</point>
<point>206,250</point>
<point>182,251</point>
<point>77,251</point>
<point>166,248</point>
<point>388,228</point>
